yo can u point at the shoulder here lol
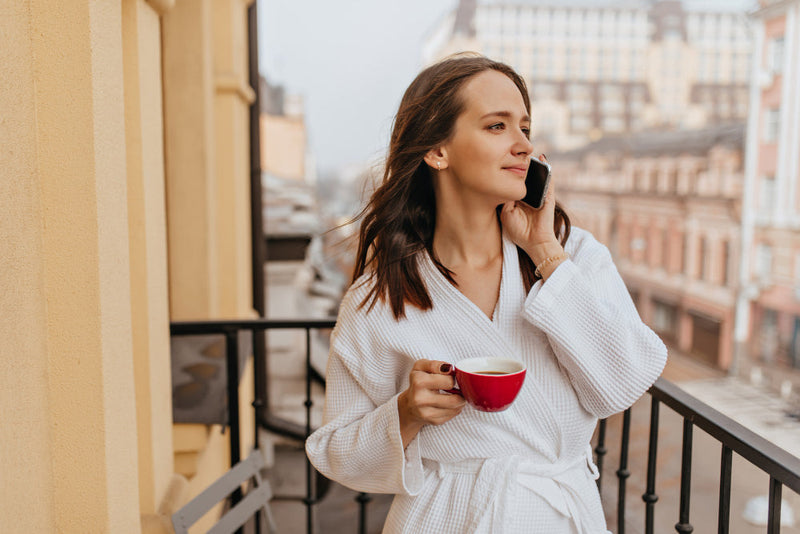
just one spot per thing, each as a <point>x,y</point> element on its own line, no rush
<point>362,319</point>
<point>355,304</point>
<point>584,248</point>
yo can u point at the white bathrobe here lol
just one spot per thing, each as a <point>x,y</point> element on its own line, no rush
<point>526,469</point>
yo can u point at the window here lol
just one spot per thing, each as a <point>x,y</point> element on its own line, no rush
<point>613,124</point>
<point>766,195</point>
<point>769,335</point>
<point>665,318</point>
<point>763,262</point>
<point>776,48</point>
<point>672,180</point>
<point>726,264</point>
<point>701,270</point>
<point>580,123</point>
<point>685,255</point>
<point>771,125</point>
<point>797,287</point>
<point>724,106</point>
<point>638,249</point>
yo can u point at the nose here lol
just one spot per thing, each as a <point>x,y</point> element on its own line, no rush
<point>523,145</point>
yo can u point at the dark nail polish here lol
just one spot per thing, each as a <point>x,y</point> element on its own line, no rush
<point>445,368</point>
<point>545,157</point>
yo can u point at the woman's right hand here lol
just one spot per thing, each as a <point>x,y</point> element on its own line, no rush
<point>424,402</point>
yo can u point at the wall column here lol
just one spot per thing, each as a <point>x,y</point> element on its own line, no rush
<point>232,98</point>
<point>190,167</point>
<point>67,392</point>
<point>141,34</point>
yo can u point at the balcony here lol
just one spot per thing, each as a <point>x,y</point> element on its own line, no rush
<point>668,463</point>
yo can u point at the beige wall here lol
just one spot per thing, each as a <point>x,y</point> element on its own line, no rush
<point>24,362</point>
<point>67,371</point>
<point>97,181</point>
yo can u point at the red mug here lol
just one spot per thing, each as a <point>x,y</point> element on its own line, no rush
<point>489,384</point>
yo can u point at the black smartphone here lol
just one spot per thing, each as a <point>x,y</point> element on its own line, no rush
<point>536,181</point>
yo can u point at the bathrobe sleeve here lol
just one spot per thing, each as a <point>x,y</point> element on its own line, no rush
<point>359,444</point>
<point>584,308</point>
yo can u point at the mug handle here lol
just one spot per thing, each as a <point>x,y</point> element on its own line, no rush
<point>455,390</point>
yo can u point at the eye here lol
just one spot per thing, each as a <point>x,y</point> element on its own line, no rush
<point>527,132</point>
<point>498,126</point>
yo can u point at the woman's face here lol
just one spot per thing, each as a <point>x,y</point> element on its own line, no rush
<point>489,152</point>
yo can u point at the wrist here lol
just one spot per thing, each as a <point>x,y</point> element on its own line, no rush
<point>409,425</point>
<point>539,252</point>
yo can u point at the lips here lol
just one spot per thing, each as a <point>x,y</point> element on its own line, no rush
<point>521,170</point>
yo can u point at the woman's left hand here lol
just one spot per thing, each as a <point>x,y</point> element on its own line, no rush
<point>531,228</point>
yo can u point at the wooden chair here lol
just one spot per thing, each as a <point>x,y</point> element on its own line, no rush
<point>257,499</point>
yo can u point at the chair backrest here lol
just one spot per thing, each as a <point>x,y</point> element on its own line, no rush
<point>257,498</point>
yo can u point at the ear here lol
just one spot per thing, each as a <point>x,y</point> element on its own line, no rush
<point>436,158</point>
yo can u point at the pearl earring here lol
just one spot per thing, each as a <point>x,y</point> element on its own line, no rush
<point>439,165</point>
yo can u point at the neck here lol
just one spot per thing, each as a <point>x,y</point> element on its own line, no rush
<point>466,234</point>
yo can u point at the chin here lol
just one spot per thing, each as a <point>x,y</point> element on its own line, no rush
<point>517,193</point>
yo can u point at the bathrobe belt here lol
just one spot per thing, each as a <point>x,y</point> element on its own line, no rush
<point>560,484</point>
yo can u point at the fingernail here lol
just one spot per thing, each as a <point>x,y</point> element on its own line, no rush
<point>545,157</point>
<point>445,368</point>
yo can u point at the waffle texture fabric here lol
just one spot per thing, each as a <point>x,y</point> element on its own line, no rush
<point>526,469</point>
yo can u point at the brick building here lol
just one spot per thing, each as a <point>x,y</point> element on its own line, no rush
<point>668,206</point>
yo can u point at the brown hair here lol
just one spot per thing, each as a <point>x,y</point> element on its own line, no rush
<point>399,220</point>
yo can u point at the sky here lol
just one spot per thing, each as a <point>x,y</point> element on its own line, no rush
<point>351,60</point>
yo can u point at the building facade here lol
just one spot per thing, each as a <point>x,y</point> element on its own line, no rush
<point>668,207</point>
<point>769,306</point>
<point>610,67</point>
<point>284,146</point>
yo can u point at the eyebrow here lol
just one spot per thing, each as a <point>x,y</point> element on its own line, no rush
<point>506,114</point>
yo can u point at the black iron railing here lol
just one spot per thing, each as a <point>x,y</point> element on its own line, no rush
<point>263,416</point>
<point>783,468</point>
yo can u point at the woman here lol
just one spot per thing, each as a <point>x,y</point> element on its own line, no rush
<point>451,265</point>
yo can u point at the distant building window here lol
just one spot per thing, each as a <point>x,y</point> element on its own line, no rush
<point>701,259</point>
<point>613,124</point>
<point>579,91</point>
<point>766,195</point>
<point>763,262</point>
<point>726,263</point>
<point>639,248</point>
<point>685,255</point>
<point>672,181</point>
<point>797,285</point>
<point>724,106</point>
<point>545,91</point>
<point>665,318</point>
<point>776,51</point>
<point>580,123</point>
<point>771,125</point>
